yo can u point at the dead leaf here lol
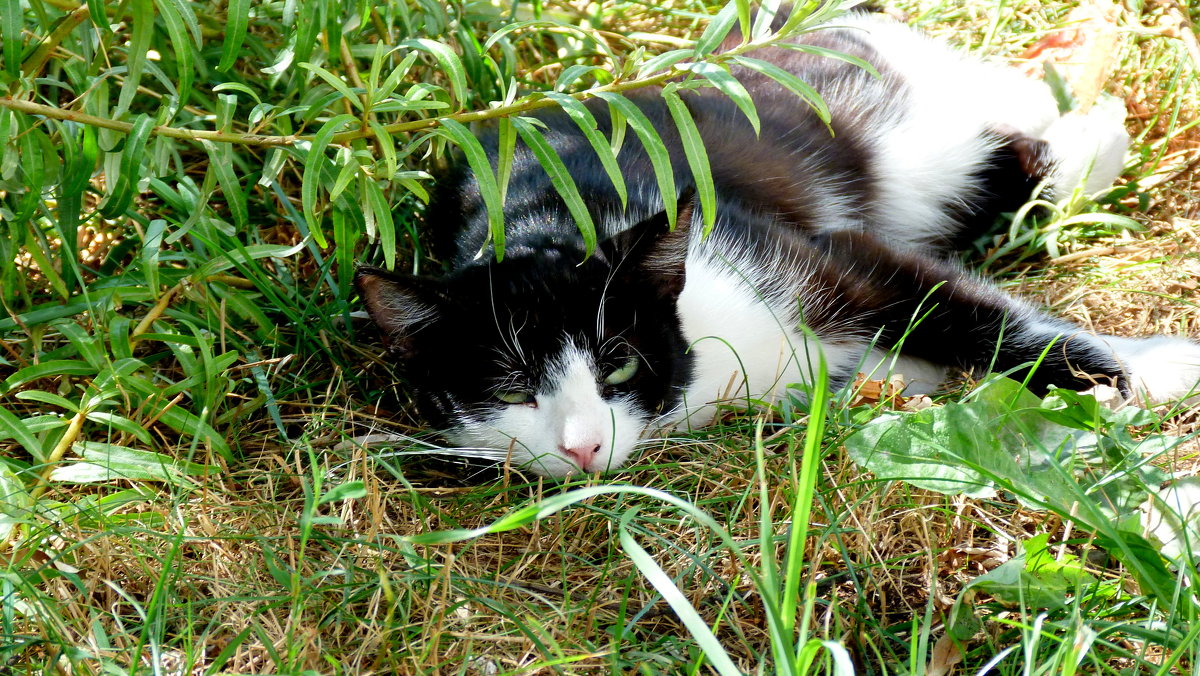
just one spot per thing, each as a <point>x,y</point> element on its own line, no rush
<point>946,654</point>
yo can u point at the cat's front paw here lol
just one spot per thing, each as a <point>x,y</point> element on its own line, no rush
<point>1160,368</point>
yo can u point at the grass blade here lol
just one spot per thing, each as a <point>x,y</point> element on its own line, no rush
<point>691,619</point>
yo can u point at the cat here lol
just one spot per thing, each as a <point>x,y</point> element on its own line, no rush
<point>563,362</point>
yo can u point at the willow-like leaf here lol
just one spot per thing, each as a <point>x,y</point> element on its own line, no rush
<point>560,178</point>
<point>660,157</point>
<point>121,195</point>
<point>718,27</point>
<point>237,21</point>
<point>313,165</point>
<point>586,122</point>
<point>489,189</point>
<point>697,157</point>
<point>137,51</point>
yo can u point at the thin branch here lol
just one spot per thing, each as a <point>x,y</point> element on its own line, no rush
<point>262,140</point>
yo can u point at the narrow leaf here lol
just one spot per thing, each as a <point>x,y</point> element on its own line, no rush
<point>660,158</point>
<point>451,65</point>
<point>313,164</point>
<point>488,188</point>
<point>137,49</point>
<point>121,195</point>
<point>335,82</point>
<point>729,86</point>
<point>560,178</point>
<point>790,82</point>
<point>718,27</point>
<point>586,122</point>
<point>236,22</point>
<point>11,426</point>
<point>675,598</point>
<point>697,157</point>
<point>11,19</point>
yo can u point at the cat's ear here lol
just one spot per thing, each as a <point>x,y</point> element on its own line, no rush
<point>656,251</point>
<point>400,305</point>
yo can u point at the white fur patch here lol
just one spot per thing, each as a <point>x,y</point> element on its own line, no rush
<point>1160,368</point>
<point>929,148</point>
<point>740,317</point>
<point>1089,148</point>
<point>1173,516</point>
<point>557,436</point>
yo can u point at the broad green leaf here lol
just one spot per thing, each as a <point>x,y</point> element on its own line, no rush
<point>237,20</point>
<point>697,157</point>
<point>1035,578</point>
<point>560,178</point>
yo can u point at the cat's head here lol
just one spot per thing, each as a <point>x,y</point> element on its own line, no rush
<point>559,361</point>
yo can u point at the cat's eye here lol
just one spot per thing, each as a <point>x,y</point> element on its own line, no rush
<point>623,374</point>
<point>515,397</point>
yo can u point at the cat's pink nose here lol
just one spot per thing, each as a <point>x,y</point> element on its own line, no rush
<point>581,455</point>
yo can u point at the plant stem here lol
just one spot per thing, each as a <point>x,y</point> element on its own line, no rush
<point>261,140</point>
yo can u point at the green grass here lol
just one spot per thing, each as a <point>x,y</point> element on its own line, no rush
<point>183,389</point>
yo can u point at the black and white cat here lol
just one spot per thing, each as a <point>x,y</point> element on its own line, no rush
<point>563,362</point>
